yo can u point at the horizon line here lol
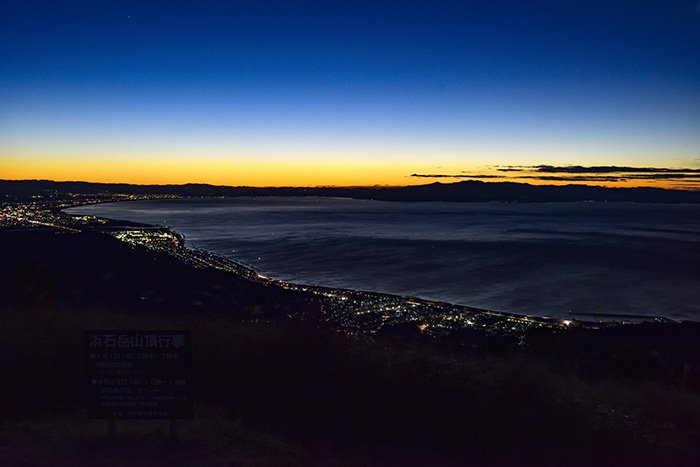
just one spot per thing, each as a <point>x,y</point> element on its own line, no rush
<point>376,186</point>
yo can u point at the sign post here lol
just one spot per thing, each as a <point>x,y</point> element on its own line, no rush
<point>139,375</point>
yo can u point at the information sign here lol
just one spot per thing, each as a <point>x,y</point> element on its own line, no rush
<point>139,374</point>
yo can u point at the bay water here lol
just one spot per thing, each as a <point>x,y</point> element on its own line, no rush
<point>545,259</point>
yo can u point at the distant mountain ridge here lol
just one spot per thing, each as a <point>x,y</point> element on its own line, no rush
<point>469,191</point>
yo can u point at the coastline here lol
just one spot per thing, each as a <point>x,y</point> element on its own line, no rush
<point>342,305</point>
<point>440,295</point>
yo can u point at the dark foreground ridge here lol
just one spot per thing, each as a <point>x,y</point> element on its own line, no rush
<point>474,191</point>
<point>285,374</point>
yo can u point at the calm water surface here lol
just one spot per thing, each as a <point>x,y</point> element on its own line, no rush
<point>542,258</point>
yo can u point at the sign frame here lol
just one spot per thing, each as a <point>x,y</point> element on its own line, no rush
<point>138,374</point>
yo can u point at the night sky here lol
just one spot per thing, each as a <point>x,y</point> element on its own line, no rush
<point>350,93</point>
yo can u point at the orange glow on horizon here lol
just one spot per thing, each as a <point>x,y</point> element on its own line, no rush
<point>269,173</point>
<point>180,171</point>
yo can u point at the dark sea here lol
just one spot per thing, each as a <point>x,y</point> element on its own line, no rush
<point>546,259</point>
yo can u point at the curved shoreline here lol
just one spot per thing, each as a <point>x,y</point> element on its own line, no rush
<point>249,272</point>
<point>263,277</point>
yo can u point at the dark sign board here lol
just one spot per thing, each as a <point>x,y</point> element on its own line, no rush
<point>139,374</point>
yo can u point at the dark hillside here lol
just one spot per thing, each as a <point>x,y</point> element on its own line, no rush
<point>88,269</point>
<point>282,391</point>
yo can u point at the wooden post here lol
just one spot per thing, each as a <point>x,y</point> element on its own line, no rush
<point>172,434</point>
<point>112,431</point>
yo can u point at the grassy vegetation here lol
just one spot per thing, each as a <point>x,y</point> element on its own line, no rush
<point>284,392</point>
<point>321,392</point>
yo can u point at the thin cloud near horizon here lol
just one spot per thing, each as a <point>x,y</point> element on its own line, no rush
<point>598,169</point>
<point>416,175</point>
<point>578,173</point>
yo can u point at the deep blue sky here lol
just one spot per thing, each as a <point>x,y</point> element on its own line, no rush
<point>375,84</point>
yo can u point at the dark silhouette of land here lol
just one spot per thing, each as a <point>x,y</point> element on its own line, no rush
<point>272,385</point>
<point>276,385</point>
<point>459,191</point>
